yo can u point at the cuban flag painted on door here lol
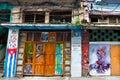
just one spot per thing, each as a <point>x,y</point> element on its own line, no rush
<point>11,52</point>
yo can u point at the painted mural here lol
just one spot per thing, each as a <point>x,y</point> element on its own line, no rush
<point>58,59</point>
<point>99,55</point>
<point>11,52</point>
<point>85,59</point>
<point>85,53</point>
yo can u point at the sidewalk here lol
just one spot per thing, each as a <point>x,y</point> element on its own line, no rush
<point>65,78</point>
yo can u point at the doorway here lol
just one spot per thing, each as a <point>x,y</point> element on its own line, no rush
<point>43,58</point>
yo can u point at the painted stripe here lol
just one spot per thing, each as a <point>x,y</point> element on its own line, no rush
<point>12,65</point>
<point>8,63</point>
<point>6,59</point>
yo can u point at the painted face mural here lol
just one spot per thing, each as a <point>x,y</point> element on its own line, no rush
<point>99,59</point>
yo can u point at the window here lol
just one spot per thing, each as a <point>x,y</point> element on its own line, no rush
<point>29,36</point>
<point>103,19</point>
<point>112,19</point>
<point>48,36</point>
<point>94,19</point>
<point>37,36</point>
<point>4,16</point>
<point>60,17</point>
<point>34,17</point>
<point>118,19</point>
<point>104,35</point>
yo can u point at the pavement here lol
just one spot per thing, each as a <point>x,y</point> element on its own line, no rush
<point>64,78</point>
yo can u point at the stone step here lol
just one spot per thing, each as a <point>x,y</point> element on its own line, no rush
<point>64,78</point>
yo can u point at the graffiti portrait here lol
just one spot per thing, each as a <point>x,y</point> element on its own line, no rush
<point>99,59</point>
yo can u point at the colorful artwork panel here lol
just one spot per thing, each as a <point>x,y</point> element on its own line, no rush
<point>44,36</point>
<point>58,59</point>
<point>99,55</point>
<point>52,36</point>
<point>28,69</point>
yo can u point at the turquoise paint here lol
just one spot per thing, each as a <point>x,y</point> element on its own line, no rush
<point>6,6</point>
<point>42,26</point>
<point>58,59</point>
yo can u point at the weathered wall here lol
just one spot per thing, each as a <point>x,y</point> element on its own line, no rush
<point>16,15</point>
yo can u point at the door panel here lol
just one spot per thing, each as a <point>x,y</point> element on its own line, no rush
<point>115,60</point>
<point>39,69</point>
<point>39,60</point>
<point>44,59</point>
<point>49,58</point>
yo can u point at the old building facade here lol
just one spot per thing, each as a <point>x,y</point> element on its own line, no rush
<point>45,38</point>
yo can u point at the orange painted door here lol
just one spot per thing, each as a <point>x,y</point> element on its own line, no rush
<point>115,60</point>
<point>49,58</point>
<point>44,59</point>
<point>39,58</point>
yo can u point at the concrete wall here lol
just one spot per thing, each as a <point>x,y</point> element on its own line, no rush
<point>16,15</point>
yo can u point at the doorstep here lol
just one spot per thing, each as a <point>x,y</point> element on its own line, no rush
<point>64,78</point>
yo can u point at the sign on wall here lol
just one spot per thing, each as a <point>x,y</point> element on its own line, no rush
<point>11,52</point>
<point>99,55</point>
<point>76,54</point>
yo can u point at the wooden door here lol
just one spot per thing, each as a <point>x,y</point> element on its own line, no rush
<point>44,59</point>
<point>39,59</point>
<point>49,58</point>
<point>115,60</point>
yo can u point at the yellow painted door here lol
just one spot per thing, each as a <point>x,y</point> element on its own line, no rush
<point>115,60</point>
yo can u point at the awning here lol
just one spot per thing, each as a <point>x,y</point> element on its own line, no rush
<point>41,26</point>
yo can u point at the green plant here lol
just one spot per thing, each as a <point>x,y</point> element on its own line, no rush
<point>76,21</point>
